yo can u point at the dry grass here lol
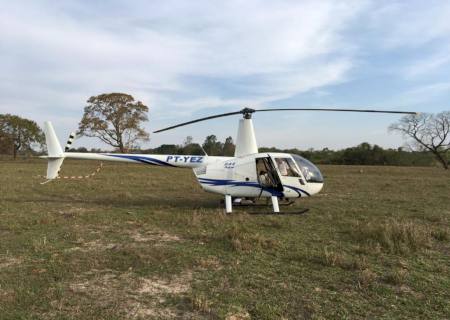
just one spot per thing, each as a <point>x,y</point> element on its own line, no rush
<point>200,303</point>
<point>332,258</point>
<point>395,236</point>
<point>147,243</point>
<point>366,278</point>
<point>241,239</point>
<point>397,276</point>
<point>441,234</point>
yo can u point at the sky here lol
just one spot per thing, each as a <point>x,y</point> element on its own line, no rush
<point>190,59</point>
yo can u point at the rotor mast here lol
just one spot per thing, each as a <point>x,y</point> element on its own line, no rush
<point>246,139</point>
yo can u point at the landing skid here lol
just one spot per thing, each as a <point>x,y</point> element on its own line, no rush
<point>286,213</point>
<point>258,202</point>
<point>262,203</point>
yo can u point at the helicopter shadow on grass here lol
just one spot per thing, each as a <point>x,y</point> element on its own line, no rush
<point>261,208</point>
<point>186,203</point>
<point>183,203</point>
<point>268,211</point>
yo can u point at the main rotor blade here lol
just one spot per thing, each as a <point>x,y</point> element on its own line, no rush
<point>247,112</point>
<point>338,110</point>
<point>198,120</point>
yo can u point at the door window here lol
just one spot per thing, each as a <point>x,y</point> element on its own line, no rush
<point>286,167</point>
<point>267,175</point>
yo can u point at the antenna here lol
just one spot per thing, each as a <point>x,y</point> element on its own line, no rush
<point>201,147</point>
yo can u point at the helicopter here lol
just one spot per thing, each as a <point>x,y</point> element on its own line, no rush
<point>249,174</point>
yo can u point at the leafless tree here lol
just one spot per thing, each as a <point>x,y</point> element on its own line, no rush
<point>428,132</point>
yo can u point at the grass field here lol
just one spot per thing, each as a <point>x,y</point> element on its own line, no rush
<point>139,242</point>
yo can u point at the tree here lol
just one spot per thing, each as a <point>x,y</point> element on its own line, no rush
<point>115,118</point>
<point>19,134</point>
<point>190,147</point>
<point>228,147</point>
<point>189,140</point>
<point>428,132</point>
<point>6,143</point>
<point>212,146</point>
<point>167,149</point>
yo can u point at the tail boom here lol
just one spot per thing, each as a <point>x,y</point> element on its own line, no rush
<point>180,161</point>
<point>56,156</point>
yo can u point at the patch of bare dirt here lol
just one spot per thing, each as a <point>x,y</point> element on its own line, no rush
<point>95,245</point>
<point>154,236</point>
<point>239,315</point>
<point>210,262</point>
<point>72,212</point>
<point>6,262</point>
<point>139,297</point>
<point>142,311</point>
<point>157,287</point>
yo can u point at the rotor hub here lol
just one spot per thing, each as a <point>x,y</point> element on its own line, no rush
<point>247,112</point>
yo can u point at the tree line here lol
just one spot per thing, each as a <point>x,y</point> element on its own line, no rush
<point>117,118</point>
<point>211,146</point>
<point>362,154</point>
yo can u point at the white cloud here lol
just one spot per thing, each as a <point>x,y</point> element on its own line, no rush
<point>410,23</point>
<point>420,29</point>
<point>432,63</point>
<point>51,54</point>
<point>182,57</point>
<point>420,95</point>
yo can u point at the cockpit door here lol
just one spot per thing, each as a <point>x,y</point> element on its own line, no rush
<point>267,174</point>
<point>289,174</point>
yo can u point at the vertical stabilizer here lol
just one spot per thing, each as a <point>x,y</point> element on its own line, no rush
<point>54,150</point>
<point>246,140</point>
<point>53,167</point>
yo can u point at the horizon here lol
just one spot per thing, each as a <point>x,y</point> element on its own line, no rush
<point>111,149</point>
<point>358,54</point>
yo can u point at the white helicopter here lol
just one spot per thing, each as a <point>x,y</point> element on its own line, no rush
<point>249,174</point>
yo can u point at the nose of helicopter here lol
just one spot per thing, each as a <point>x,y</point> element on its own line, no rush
<point>314,188</point>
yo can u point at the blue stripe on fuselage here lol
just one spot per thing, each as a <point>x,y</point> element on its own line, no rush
<point>146,160</point>
<point>298,190</point>
<point>233,183</point>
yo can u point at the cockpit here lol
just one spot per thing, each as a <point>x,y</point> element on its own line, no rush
<point>290,174</point>
<point>309,170</point>
<point>288,168</point>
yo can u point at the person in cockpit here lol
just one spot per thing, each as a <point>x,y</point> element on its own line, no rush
<point>264,178</point>
<point>282,166</point>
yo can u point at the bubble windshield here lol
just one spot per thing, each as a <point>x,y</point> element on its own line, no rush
<point>309,170</point>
